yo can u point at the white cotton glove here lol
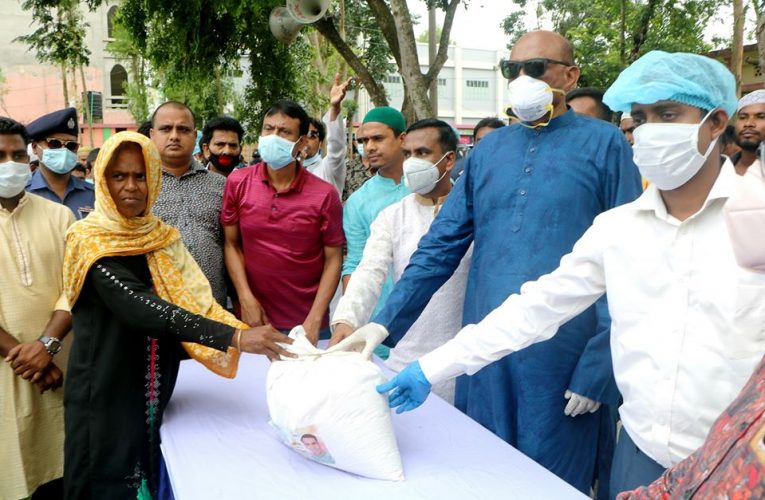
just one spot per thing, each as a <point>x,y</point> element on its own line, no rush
<point>579,405</point>
<point>364,340</point>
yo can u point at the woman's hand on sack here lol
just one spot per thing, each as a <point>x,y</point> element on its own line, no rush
<point>340,332</point>
<point>265,340</point>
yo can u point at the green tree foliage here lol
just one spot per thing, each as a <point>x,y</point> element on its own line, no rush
<point>136,89</point>
<point>60,35</point>
<point>277,71</point>
<point>357,25</point>
<point>191,48</point>
<point>608,35</point>
<point>194,48</point>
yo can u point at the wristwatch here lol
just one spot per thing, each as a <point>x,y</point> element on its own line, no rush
<point>52,344</point>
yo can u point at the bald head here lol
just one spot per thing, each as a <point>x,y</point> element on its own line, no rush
<point>547,44</point>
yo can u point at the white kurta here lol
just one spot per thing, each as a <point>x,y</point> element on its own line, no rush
<point>31,280</point>
<point>394,236</point>
<point>688,325</point>
<point>332,168</point>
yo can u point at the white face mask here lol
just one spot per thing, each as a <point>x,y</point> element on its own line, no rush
<point>530,98</point>
<point>667,154</point>
<point>421,176</point>
<point>14,177</point>
<point>312,160</point>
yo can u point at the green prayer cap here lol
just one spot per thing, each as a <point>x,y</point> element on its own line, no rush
<point>387,115</point>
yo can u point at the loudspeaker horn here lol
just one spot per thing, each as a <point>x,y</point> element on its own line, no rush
<point>283,25</point>
<point>307,11</point>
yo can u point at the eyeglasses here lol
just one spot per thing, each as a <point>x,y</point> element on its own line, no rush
<point>54,143</point>
<point>532,67</point>
<point>313,134</point>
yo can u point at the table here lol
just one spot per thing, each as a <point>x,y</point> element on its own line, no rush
<point>218,445</point>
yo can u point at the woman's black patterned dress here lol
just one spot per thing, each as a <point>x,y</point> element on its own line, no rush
<point>122,370</point>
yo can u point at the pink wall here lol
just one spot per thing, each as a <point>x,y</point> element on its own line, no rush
<point>34,90</point>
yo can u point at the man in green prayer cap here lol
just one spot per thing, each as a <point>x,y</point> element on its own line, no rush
<point>382,135</point>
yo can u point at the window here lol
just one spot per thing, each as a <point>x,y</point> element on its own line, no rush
<point>442,82</point>
<point>110,21</point>
<point>118,79</point>
<point>480,84</point>
<point>392,79</point>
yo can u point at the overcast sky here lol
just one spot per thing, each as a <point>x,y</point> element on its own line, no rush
<point>478,25</point>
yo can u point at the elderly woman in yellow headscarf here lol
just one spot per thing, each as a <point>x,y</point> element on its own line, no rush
<point>138,301</point>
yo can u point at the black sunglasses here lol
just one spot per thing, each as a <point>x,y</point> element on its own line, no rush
<point>532,67</point>
<point>54,143</point>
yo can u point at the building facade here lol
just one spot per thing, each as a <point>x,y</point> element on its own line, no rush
<point>31,89</point>
<point>470,87</point>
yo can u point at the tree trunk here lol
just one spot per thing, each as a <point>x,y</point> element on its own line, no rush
<point>326,27</point>
<point>443,43</point>
<point>737,45</point>
<point>86,105</point>
<point>65,83</point>
<point>320,64</point>
<point>622,33</point>
<point>343,69</point>
<point>219,93</point>
<point>761,42</point>
<point>387,25</point>
<point>640,34</point>
<point>76,94</point>
<point>416,84</point>
<point>433,90</point>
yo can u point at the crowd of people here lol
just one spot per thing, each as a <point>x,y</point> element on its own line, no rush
<point>572,276</point>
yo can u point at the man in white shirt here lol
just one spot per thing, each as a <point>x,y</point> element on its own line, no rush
<point>430,149</point>
<point>688,325</point>
<point>749,129</point>
<point>332,167</point>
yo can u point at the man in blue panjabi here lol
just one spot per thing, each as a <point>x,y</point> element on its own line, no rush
<point>528,193</point>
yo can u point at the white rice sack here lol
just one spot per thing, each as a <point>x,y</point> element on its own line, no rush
<point>325,407</point>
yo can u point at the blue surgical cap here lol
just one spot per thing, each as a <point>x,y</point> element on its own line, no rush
<point>681,77</point>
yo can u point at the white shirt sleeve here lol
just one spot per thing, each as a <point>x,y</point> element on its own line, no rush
<point>533,315</point>
<point>334,163</point>
<point>357,304</point>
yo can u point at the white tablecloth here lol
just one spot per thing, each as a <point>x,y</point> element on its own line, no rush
<point>218,445</point>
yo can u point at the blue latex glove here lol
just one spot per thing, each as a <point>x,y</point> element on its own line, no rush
<point>408,389</point>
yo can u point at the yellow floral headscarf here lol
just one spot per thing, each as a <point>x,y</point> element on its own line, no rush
<point>175,274</point>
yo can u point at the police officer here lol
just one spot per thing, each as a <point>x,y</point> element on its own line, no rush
<point>54,142</point>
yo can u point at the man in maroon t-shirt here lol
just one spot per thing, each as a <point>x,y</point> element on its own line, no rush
<point>283,231</point>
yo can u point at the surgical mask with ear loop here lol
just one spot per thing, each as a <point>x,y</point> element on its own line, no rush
<point>14,177</point>
<point>667,154</point>
<point>276,151</point>
<point>313,160</point>
<point>531,99</point>
<point>421,175</point>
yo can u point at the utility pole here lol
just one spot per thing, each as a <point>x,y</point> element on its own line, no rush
<point>432,59</point>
